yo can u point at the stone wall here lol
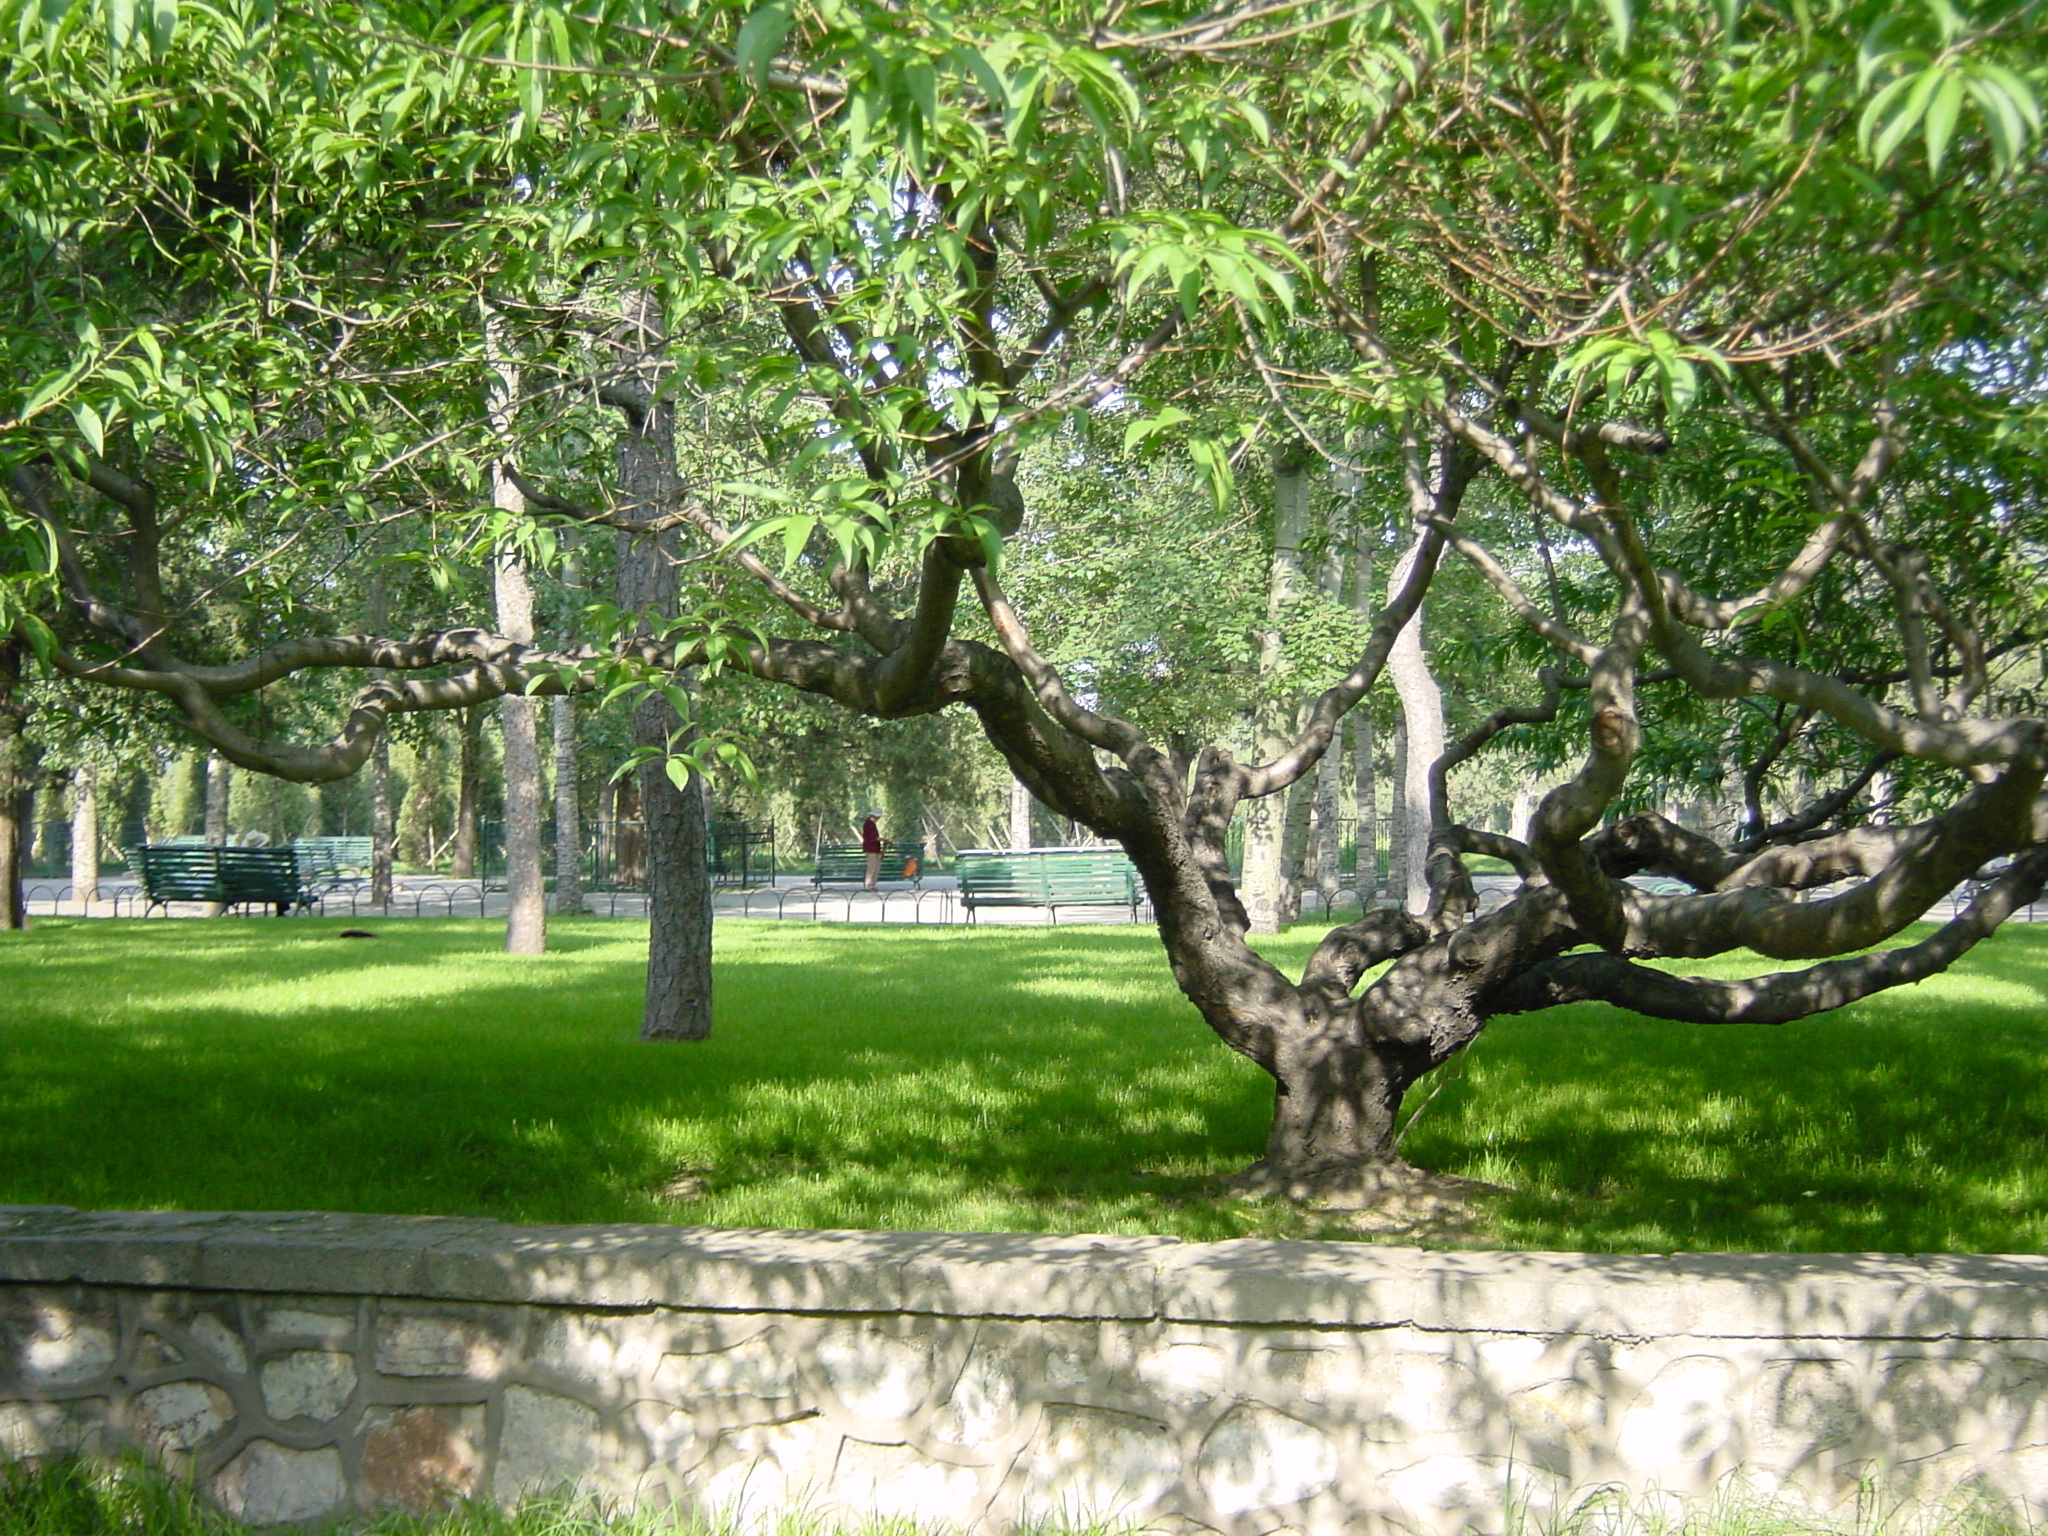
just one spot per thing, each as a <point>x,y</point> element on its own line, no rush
<point>303,1366</point>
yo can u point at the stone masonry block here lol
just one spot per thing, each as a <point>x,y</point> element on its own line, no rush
<point>1090,1464</point>
<point>32,1430</point>
<point>308,1383</point>
<point>1805,1406</point>
<point>421,1458</point>
<point>874,1375</point>
<point>548,1442</point>
<point>59,1343</point>
<point>983,1403</point>
<point>1689,1414</point>
<point>895,1482</point>
<point>469,1345</point>
<point>180,1415</point>
<point>609,1349</point>
<point>769,1471</point>
<point>1183,1372</point>
<point>269,1483</point>
<point>764,1367</point>
<point>1256,1458</point>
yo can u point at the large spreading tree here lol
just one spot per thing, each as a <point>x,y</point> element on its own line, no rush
<point>1705,335</point>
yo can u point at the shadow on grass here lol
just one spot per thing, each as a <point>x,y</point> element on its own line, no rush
<point>1048,1079</point>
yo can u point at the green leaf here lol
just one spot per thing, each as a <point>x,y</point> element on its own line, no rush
<point>1942,112</point>
<point>761,35</point>
<point>90,427</point>
<point>1622,20</point>
<point>678,771</point>
<point>120,25</point>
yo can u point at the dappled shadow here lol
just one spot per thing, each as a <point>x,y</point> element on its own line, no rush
<point>1014,1082</point>
<point>1000,1080</point>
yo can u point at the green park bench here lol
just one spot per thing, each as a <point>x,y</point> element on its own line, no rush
<point>845,864</point>
<point>1047,877</point>
<point>232,877</point>
<point>330,863</point>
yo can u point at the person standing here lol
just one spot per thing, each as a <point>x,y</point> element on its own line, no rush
<point>871,845</point>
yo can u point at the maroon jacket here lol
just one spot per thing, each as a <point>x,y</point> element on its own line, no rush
<point>870,836</point>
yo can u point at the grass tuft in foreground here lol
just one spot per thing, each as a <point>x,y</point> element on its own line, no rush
<point>1031,1080</point>
<point>67,1498</point>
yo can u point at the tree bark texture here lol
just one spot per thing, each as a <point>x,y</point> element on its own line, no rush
<point>1020,815</point>
<point>1422,719</point>
<point>1270,897</point>
<point>568,807</point>
<point>383,824</point>
<point>526,922</point>
<point>526,918</point>
<point>468,792</point>
<point>15,779</point>
<point>85,833</point>
<point>677,837</point>
<point>220,779</point>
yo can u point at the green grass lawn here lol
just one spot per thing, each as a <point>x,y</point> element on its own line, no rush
<point>999,1079</point>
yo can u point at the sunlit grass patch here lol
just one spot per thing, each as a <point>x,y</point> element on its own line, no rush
<point>1010,1079</point>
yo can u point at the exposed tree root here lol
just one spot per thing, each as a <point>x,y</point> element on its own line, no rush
<point>1382,1197</point>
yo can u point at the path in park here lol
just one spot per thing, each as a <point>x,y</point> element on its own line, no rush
<point>935,902</point>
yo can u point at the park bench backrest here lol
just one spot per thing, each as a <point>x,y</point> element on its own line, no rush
<point>1047,877</point>
<point>845,861</point>
<point>332,859</point>
<point>268,875</point>
<point>179,873</point>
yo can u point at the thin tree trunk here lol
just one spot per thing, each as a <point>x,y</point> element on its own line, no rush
<point>14,780</point>
<point>85,834</point>
<point>1364,774</point>
<point>608,830</point>
<point>220,778</point>
<point>1422,713</point>
<point>526,922</point>
<point>526,918</point>
<point>1397,818</point>
<point>677,837</point>
<point>568,807</point>
<point>1521,811</point>
<point>382,821</point>
<point>33,827</point>
<point>1020,815</point>
<point>468,791</point>
<point>1329,778</point>
<point>1268,898</point>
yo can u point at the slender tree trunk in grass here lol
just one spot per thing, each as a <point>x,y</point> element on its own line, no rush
<point>1326,846</point>
<point>1268,897</point>
<point>85,834</point>
<point>526,923</point>
<point>568,807</point>
<point>677,837</point>
<point>1020,815</point>
<point>1422,718</point>
<point>468,792</point>
<point>14,779</point>
<point>526,919</point>
<point>383,824</point>
<point>220,778</point>
<point>1364,772</point>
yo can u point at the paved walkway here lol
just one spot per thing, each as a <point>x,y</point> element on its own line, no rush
<point>934,902</point>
